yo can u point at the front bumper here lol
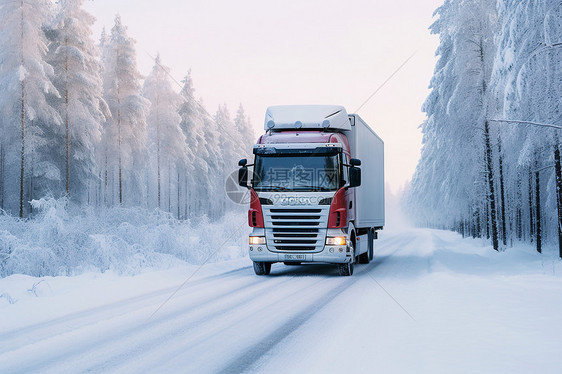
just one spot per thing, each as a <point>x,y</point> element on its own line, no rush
<point>334,254</point>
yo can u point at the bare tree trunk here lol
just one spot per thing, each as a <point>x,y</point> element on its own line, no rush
<point>22,166</point>
<point>30,193</point>
<point>105,177</point>
<point>538,206</point>
<point>478,229</point>
<point>158,152</point>
<point>531,210</point>
<point>169,188</point>
<point>519,211</point>
<point>487,215</point>
<point>491,192</point>
<point>119,146</point>
<point>67,122</point>
<point>502,196</point>
<point>558,171</point>
<point>187,199</point>
<point>178,188</point>
<point>2,176</point>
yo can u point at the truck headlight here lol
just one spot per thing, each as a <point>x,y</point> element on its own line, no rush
<point>257,240</point>
<point>336,240</point>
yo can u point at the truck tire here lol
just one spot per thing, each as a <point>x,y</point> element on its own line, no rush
<point>346,269</point>
<point>365,258</point>
<point>262,268</point>
<point>371,244</point>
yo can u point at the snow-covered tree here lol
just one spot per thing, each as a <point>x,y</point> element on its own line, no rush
<point>244,128</point>
<point>449,185</point>
<point>528,86</point>
<point>167,141</point>
<point>482,171</point>
<point>212,195</point>
<point>28,120</point>
<point>198,173</point>
<point>125,133</point>
<point>75,58</point>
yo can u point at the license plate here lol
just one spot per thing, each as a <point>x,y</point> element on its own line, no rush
<point>295,257</point>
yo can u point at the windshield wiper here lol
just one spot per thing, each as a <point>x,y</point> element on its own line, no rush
<point>270,188</point>
<point>313,188</point>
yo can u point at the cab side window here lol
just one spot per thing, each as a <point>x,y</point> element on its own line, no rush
<point>345,173</point>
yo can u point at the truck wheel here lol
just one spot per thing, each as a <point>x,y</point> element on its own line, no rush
<point>346,269</point>
<point>262,268</point>
<point>367,257</point>
<point>371,245</point>
<point>364,258</point>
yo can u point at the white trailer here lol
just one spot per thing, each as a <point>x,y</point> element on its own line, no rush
<point>368,147</point>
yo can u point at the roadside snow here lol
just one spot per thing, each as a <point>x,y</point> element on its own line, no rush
<point>430,302</point>
<point>58,241</point>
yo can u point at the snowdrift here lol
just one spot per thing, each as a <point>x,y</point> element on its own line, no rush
<point>60,241</point>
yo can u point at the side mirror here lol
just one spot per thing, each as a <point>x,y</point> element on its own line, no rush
<point>243,176</point>
<point>243,162</point>
<point>354,177</point>
<point>355,162</point>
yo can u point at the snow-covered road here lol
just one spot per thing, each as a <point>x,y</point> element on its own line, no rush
<point>430,302</point>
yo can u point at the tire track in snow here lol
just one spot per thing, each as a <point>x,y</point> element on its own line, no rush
<point>197,352</point>
<point>16,338</point>
<point>94,351</point>
<point>214,329</point>
<point>182,330</point>
<point>90,335</point>
<point>248,359</point>
<point>175,330</point>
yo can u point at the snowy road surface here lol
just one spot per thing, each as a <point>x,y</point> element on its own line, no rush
<point>430,302</point>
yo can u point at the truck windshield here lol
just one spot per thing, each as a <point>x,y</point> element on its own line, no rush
<point>306,172</point>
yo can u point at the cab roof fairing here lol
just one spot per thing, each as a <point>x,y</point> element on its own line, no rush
<point>303,117</point>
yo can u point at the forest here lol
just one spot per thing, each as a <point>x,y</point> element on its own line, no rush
<point>490,162</point>
<point>79,121</point>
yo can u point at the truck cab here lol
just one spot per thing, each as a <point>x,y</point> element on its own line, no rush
<point>303,191</point>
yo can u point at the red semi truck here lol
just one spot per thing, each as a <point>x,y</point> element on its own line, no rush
<point>310,199</point>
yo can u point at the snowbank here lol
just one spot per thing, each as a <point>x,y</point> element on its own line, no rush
<point>58,241</point>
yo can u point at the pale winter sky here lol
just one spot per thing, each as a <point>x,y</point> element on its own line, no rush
<point>264,52</point>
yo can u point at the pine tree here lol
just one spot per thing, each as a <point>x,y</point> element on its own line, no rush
<point>125,133</point>
<point>198,173</point>
<point>244,128</point>
<point>25,80</point>
<point>167,141</point>
<point>447,185</point>
<point>77,77</point>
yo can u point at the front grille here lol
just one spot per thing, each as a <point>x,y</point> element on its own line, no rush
<point>295,228</point>
<point>295,248</point>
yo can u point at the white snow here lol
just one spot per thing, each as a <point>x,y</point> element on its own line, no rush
<point>64,239</point>
<point>430,302</point>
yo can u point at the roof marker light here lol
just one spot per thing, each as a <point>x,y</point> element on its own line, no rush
<point>298,124</point>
